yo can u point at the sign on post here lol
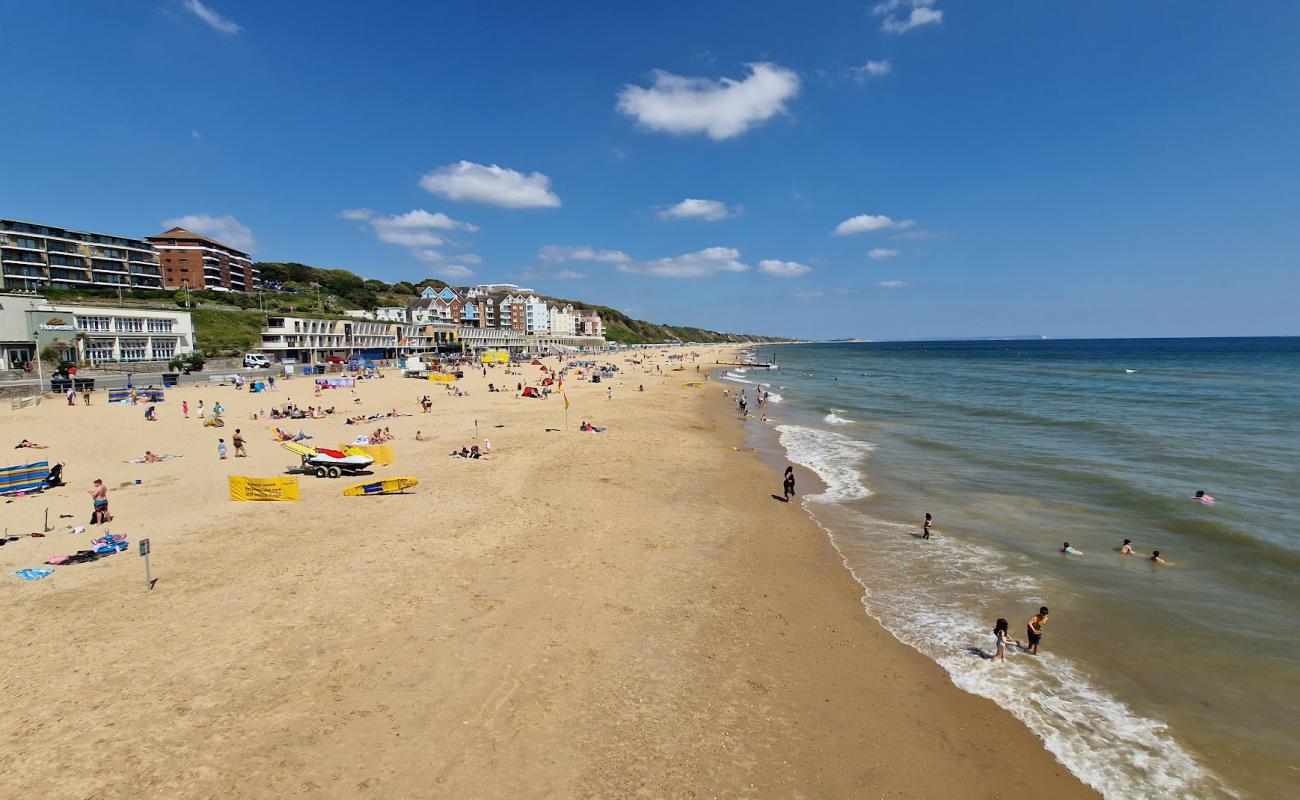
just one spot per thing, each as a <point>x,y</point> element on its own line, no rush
<point>144,552</point>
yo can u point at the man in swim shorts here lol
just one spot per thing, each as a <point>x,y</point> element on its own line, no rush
<point>1035,630</point>
<point>99,500</point>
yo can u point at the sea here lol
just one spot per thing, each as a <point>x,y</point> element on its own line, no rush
<point>1179,680</point>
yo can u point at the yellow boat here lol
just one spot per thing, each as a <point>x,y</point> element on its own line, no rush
<point>386,486</point>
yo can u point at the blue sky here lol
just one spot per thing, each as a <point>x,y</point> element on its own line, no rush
<point>993,168</point>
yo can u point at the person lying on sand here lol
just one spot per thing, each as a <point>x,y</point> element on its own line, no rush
<point>25,443</point>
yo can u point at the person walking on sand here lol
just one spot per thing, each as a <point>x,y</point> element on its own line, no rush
<point>99,504</point>
<point>1002,638</point>
<point>927,525</point>
<point>238,441</point>
<point>185,408</point>
<point>1035,630</point>
<point>72,396</point>
<point>788,483</point>
<point>221,449</point>
<point>202,412</point>
<point>85,395</point>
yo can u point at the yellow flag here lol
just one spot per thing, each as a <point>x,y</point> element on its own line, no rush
<point>566,402</point>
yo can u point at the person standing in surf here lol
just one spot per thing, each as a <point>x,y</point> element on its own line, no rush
<point>925,527</point>
<point>1034,630</point>
<point>788,484</point>
<point>1002,638</point>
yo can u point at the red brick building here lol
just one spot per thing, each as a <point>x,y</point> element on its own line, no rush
<point>193,260</point>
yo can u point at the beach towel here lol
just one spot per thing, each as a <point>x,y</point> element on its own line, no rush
<point>141,460</point>
<point>24,477</point>
<point>57,560</point>
<point>34,573</point>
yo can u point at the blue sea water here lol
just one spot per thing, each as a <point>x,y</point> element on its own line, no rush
<point>1154,681</point>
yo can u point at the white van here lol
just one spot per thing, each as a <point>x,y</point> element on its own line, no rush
<point>256,361</point>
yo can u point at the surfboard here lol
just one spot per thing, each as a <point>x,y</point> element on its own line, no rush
<point>386,486</point>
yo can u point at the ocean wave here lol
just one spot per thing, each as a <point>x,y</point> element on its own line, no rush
<point>1108,745</point>
<point>834,457</point>
<point>835,419</point>
<point>772,397</point>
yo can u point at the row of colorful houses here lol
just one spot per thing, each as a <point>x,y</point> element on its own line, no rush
<point>500,305</point>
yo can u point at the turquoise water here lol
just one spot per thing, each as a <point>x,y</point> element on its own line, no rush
<point>1154,681</point>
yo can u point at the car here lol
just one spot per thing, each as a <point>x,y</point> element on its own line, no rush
<point>256,361</point>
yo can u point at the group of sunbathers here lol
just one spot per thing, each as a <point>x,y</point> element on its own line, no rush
<point>469,452</point>
<point>588,427</point>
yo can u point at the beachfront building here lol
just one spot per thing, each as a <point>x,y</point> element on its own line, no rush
<point>436,305</point>
<point>562,320</point>
<point>89,335</point>
<point>358,313</point>
<point>589,324</point>
<point>193,261</point>
<point>536,315</point>
<point>38,257</point>
<point>391,313</point>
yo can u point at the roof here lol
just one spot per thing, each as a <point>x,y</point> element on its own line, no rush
<point>181,233</point>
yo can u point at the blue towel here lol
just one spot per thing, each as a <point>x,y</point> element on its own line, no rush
<point>34,573</point>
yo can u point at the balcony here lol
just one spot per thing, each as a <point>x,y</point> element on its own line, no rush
<point>69,276</point>
<point>154,272</point>
<point>146,281</point>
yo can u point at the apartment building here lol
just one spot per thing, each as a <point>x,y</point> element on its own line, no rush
<point>194,261</point>
<point>562,320</point>
<point>312,341</point>
<point>35,257</point>
<point>589,324</point>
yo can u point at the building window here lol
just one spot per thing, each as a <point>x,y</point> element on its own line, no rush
<point>99,350</point>
<point>133,349</point>
<point>92,323</point>
<point>163,349</point>
<point>160,325</point>
<point>129,325</point>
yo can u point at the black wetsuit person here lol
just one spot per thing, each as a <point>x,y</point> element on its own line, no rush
<point>789,483</point>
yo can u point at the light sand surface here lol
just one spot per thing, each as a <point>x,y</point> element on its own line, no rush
<point>625,614</point>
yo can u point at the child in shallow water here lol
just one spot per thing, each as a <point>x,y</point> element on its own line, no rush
<point>1002,638</point>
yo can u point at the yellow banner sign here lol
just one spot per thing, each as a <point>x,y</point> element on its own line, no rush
<point>263,488</point>
<point>441,378</point>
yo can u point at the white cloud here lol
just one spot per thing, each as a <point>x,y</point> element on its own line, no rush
<point>783,269</point>
<point>492,185</point>
<point>871,69</point>
<point>866,223</point>
<point>455,272</point>
<point>412,229</point>
<point>700,264</point>
<point>722,108</point>
<point>706,210</point>
<point>891,284</point>
<point>225,229</point>
<point>470,258</point>
<point>915,13</point>
<point>558,252</point>
<point>567,275</point>
<point>195,135</point>
<point>212,18</point>
<point>807,294</point>
<point>881,253</point>
<point>429,255</point>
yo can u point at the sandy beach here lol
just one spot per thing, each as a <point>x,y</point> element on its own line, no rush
<point>622,614</point>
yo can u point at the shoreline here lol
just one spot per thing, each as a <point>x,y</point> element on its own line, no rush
<point>584,615</point>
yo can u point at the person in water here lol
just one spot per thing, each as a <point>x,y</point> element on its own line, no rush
<point>788,483</point>
<point>1069,550</point>
<point>1126,549</point>
<point>1002,638</point>
<point>927,525</point>
<point>1203,498</point>
<point>1034,631</point>
<point>1156,559</point>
